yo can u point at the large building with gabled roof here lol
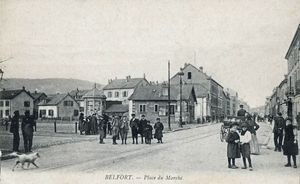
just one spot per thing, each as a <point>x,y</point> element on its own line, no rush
<point>15,100</point>
<point>121,89</point>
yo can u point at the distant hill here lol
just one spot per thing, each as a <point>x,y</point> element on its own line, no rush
<point>48,86</point>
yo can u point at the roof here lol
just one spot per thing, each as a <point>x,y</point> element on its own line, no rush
<point>124,83</point>
<point>54,100</point>
<point>293,42</point>
<point>78,92</point>
<point>36,95</point>
<point>94,93</point>
<point>117,108</point>
<point>187,65</point>
<point>11,94</point>
<point>159,93</point>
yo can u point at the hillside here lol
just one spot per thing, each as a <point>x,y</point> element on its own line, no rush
<point>48,86</point>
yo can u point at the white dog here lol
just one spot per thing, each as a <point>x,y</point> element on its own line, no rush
<point>25,158</point>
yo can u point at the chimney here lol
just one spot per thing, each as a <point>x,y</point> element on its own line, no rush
<point>128,78</point>
<point>3,89</point>
<point>185,64</point>
<point>109,81</point>
<point>201,68</point>
<point>144,76</point>
<point>23,87</point>
<point>35,92</point>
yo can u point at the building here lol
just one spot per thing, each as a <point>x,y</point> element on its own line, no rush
<point>15,100</point>
<point>226,104</point>
<point>122,89</point>
<point>234,101</point>
<point>38,97</point>
<point>94,101</point>
<point>59,106</point>
<point>281,97</point>
<point>205,88</point>
<point>293,74</point>
<point>152,101</point>
<point>77,95</point>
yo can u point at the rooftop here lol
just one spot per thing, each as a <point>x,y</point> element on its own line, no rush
<point>11,94</point>
<point>127,83</point>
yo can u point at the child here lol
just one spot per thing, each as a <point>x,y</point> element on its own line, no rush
<point>232,146</point>
<point>290,143</point>
<point>245,138</point>
<point>159,127</point>
<point>148,133</point>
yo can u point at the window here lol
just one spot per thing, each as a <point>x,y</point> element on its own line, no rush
<point>1,114</point>
<point>42,113</point>
<point>189,75</point>
<point>50,112</point>
<point>142,108</point>
<point>116,94</point>
<point>172,109</point>
<point>156,108</point>
<point>6,103</point>
<point>76,113</point>
<point>81,109</point>
<point>26,104</point>
<point>68,103</point>
<point>162,111</point>
<point>124,93</point>
<point>109,94</point>
<point>6,112</point>
<point>1,103</point>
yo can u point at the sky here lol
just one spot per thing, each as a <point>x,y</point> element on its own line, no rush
<point>240,43</point>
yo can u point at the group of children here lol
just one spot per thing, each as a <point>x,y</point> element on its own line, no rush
<point>239,144</point>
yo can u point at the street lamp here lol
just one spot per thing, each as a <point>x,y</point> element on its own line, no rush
<point>180,113</point>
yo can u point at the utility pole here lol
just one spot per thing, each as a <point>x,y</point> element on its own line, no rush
<point>169,98</point>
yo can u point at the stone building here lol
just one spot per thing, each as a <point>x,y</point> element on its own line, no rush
<point>121,89</point>
<point>61,106</point>
<point>293,74</point>
<point>15,100</point>
<point>152,101</point>
<point>94,102</point>
<point>205,87</point>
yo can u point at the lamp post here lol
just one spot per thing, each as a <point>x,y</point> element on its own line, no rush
<point>180,102</point>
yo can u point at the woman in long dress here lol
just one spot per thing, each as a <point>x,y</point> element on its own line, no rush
<point>253,127</point>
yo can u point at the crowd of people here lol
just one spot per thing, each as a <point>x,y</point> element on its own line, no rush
<point>119,127</point>
<point>242,141</point>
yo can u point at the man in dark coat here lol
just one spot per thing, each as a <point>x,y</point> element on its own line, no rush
<point>94,126</point>
<point>14,128</point>
<point>242,112</point>
<point>141,127</point>
<point>279,124</point>
<point>134,128</point>
<point>27,130</point>
<point>159,127</point>
<point>105,124</point>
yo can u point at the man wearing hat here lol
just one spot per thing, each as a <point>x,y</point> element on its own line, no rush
<point>27,130</point>
<point>141,127</point>
<point>14,128</point>
<point>134,128</point>
<point>242,112</point>
<point>278,131</point>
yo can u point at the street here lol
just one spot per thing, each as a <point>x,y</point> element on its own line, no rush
<point>187,156</point>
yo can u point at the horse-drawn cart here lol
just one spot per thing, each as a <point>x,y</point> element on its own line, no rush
<point>227,122</point>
